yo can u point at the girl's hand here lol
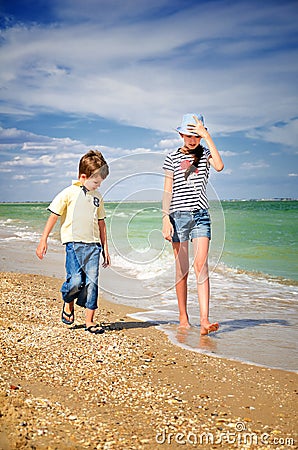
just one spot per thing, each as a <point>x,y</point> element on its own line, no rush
<point>198,128</point>
<point>167,229</point>
<point>106,260</point>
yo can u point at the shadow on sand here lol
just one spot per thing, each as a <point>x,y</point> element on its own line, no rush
<point>226,326</point>
<point>229,326</point>
<point>118,326</point>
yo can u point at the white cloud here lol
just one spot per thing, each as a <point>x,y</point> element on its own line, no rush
<point>30,146</point>
<point>60,164</point>
<point>41,181</point>
<point>168,143</point>
<point>13,133</point>
<point>137,151</point>
<point>284,134</point>
<point>44,160</point>
<point>254,165</point>
<point>293,174</point>
<point>71,175</point>
<point>138,72</point>
<point>228,153</point>
<point>132,63</point>
<point>69,155</point>
<point>227,172</point>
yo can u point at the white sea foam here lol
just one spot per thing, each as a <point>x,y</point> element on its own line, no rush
<point>257,315</point>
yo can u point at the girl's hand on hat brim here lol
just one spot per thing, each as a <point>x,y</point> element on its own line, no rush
<point>197,128</point>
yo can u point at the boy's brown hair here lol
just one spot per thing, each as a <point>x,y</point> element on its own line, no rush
<point>93,163</point>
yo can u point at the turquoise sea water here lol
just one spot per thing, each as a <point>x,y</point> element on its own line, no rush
<point>253,273</point>
<point>257,236</point>
<point>262,236</point>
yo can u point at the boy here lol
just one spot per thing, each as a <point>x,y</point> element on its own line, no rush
<point>83,231</point>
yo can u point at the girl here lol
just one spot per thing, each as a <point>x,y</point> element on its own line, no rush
<point>185,212</point>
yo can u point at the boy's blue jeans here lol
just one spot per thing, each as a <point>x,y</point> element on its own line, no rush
<point>82,267</point>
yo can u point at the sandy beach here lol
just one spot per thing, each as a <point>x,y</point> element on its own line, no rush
<point>130,388</point>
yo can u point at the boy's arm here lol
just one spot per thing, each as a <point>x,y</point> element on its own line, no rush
<point>43,243</point>
<point>104,242</point>
<point>167,227</point>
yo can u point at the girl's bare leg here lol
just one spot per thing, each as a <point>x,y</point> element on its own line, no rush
<point>201,249</point>
<point>182,267</point>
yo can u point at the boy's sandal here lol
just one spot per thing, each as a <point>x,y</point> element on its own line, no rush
<point>95,329</point>
<point>70,316</point>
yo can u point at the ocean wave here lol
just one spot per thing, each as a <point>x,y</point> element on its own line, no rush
<point>257,275</point>
<point>153,266</point>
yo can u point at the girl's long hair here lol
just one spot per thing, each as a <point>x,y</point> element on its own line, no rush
<point>197,152</point>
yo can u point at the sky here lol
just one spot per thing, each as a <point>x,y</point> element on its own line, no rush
<point>118,76</point>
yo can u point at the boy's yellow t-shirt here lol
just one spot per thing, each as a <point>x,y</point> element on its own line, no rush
<point>80,211</point>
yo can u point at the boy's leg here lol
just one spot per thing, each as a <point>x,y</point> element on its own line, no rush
<point>72,285</point>
<point>74,275</point>
<point>92,274</point>
<point>89,317</point>
<point>182,267</point>
<point>91,326</point>
<point>201,249</point>
<point>81,300</point>
<point>68,311</point>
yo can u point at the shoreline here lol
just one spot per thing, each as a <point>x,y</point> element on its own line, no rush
<point>119,289</point>
<point>274,199</point>
<point>231,359</point>
<point>130,388</point>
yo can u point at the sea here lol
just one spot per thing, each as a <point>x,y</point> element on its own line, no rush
<point>253,268</point>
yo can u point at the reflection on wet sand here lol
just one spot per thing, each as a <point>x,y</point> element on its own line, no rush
<point>191,337</point>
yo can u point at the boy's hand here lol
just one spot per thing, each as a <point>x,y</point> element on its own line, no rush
<point>43,243</point>
<point>41,249</point>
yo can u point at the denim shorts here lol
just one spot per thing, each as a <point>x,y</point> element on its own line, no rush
<point>189,225</point>
<point>82,271</point>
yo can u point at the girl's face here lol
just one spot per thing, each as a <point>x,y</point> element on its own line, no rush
<point>92,182</point>
<point>191,142</point>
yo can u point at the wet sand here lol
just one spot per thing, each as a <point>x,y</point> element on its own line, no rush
<point>129,388</point>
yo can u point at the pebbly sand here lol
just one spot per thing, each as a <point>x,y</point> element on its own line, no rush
<point>130,388</point>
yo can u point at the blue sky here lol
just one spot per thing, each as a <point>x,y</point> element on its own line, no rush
<point>118,76</point>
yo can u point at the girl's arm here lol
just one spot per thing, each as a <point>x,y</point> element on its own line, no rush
<point>215,158</point>
<point>43,243</point>
<point>167,227</point>
<point>104,242</point>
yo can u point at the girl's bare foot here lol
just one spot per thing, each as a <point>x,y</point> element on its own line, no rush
<point>207,327</point>
<point>185,325</point>
<point>184,322</point>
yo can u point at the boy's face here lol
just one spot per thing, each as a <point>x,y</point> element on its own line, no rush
<point>92,182</point>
